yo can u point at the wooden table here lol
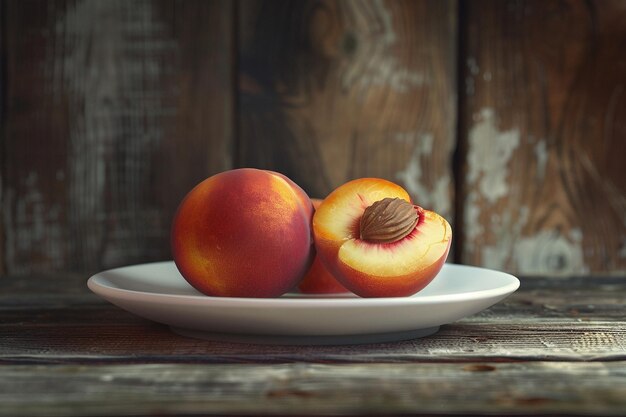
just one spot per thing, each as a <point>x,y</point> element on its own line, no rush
<point>557,346</point>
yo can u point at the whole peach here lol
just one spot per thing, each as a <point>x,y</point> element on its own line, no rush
<point>243,233</point>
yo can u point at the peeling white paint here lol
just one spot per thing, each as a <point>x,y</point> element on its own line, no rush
<point>550,253</point>
<point>473,65</point>
<point>541,154</point>
<point>440,197</point>
<point>474,70</point>
<point>471,220</point>
<point>576,235</point>
<point>373,64</point>
<point>490,151</point>
<point>388,73</point>
<point>411,175</point>
<point>507,230</point>
<point>494,257</point>
<point>436,197</point>
<point>423,141</point>
<point>547,252</point>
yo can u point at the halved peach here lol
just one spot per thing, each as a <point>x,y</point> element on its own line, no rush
<point>318,279</point>
<point>376,242</point>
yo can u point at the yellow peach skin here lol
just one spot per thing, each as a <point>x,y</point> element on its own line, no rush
<point>372,269</point>
<point>243,233</point>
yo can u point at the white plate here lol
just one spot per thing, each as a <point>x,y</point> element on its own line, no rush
<point>158,292</point>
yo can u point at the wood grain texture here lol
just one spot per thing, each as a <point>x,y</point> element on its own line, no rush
<point>544,122</point>
<point>554,347</point>
<point>111,111</point>
<point>54,319</point>
<point>543,388</point>
<point>331,91</point>
<point>132,341</point>
<point>114,111</point>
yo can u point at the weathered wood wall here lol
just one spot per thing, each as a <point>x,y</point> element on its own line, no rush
<point>507,117</point>
<point>114,110</point>
<point>544,128</point>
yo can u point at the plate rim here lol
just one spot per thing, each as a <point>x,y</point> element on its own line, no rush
<point>95,285</point>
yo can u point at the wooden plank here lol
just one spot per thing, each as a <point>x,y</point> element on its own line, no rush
<point>130,340</point>
<point>543,388</point>
<point>544,123</point>
<point>331,91</point>
<point>114,111</point>
<point>54,319</point>
<point>33,150</point>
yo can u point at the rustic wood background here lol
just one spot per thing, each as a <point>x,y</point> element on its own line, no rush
<point>508,117</point>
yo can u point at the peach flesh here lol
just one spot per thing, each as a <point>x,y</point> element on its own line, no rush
<point>400,268</point>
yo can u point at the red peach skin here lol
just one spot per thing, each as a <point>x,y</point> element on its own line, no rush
<point>244,233</point>
<point>318,279</point>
